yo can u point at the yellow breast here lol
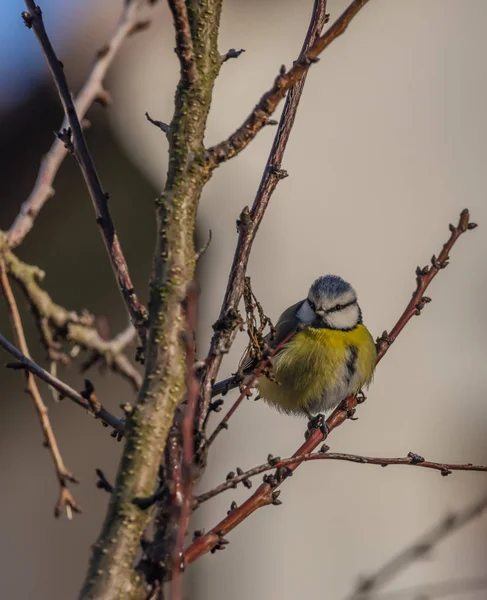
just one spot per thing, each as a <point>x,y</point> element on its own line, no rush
<point>320,365</point>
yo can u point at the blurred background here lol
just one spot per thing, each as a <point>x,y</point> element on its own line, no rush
<point>390,143</point>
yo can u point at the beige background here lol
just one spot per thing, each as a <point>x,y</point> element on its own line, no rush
<point>388,147</point>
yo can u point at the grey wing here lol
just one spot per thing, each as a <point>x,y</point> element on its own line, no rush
<point>285,325</point>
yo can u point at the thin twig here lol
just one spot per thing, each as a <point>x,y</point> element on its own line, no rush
<point>418,549</point>
<point>66,501</point>
<point>284,82</point>
<point>264,495</point>
<point>28,365</point>
<point>412,459</point>
<point>91,91</point>
<point>33,20</point>
<point>249,224</point>
<point>164,127</point>
<point>187,434</point>
<point>261,366</point>
<point>438,589</point>
<point>232,53</point>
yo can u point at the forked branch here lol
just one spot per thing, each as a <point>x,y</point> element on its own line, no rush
<point>74,140</point>
<point>284,82</point>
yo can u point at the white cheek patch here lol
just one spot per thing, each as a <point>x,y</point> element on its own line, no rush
<point>306,314</point>
<point>344,319</point>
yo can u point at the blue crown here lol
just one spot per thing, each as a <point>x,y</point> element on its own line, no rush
<point>330,286</point>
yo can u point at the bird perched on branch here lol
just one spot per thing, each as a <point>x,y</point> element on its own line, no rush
<point>329,355</point>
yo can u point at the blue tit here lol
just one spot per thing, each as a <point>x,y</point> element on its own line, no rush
<point>330,357</point>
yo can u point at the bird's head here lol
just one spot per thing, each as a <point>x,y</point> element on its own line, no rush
<point>332,304</point>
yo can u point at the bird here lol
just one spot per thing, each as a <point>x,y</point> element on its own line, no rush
<point>329,355</point>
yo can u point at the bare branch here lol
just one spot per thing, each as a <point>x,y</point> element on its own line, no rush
<point>187,434</point>
<point>419,549</point>
<point>110,574</point>
<point>412,460</point>
<point>54,321</point>
<point>184,41</point>
<point>33,19</point>
<point>249,224</point>
<point>91,91</point>
<point>265,494</point>
<point>26,363</point>
<point>284,82</point>
<point>66,500</point>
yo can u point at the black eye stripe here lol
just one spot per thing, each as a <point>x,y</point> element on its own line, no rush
<point>339,307</point>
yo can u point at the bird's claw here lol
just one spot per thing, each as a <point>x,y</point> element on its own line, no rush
<point>318,422</point>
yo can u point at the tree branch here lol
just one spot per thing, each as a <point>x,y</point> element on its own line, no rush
<point>64,389</point>
<point>111,572</point>
<point>55,322</point>
<point>66,500</point>
<point>184,41</point>
<point>284,81</point>
<point>419,549</point>
<point>265,494</point>
<point>412,460</point>
<point>225,328</point>
<point>138,314</point>
<point>187,434</point>
<point>89,93</point>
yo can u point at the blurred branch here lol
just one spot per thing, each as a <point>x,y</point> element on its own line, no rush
<point>111,574</point>
<point>265,494</point>
<point>439,589</point>
<point>421,547</point>
<point>27,364</point>
<point>89,93</point>
<point>225,328</point>
<point>284,82</point>
<point>74,140</point>
<point>55,322</point>
<point>66,500</point>
<point>412,460</point>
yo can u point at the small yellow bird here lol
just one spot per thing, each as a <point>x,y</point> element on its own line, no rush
<point>330,356</point>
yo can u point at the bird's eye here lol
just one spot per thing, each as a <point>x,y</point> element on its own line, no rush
<point>312,304</point>
<point>338,307</point>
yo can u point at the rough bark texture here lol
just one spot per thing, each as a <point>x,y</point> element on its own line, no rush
<point>111,574</point>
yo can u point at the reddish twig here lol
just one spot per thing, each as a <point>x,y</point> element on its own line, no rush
<point>184,41</point>
<point>249,224</point>
<point>91,91</point>
<point>284,82</point>
<point>74,139</point>
<point>28,365</point>
<point>264,362</point>
<point>66,500</point>
<point>187,434</point>
<point>419,549</point>
<point>412,459</point>
<point>264,494</point>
